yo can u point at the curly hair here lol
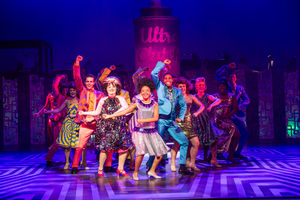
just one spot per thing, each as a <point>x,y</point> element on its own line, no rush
<point>145,82</point>
<point>105,85</point>
<point>71,86</point>
<point>182,80</point>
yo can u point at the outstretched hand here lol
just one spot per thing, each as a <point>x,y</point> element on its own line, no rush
<point>167,61</point>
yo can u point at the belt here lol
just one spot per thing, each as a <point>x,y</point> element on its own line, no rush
<point>162,116</point>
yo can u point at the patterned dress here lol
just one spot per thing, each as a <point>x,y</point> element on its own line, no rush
<point>224,124</point>
<point>69,132</point>
<point>112,134</point>
<point>186,126</point>
<point>145,136</point>
<point>202,124</point>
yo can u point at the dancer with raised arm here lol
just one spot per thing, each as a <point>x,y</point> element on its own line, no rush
<point>89,98</point>
<point>169,100</point>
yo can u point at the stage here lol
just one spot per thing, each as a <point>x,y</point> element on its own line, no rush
<point>271,172</point>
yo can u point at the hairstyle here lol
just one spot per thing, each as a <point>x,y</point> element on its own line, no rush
<point>90,75</point>
<point>200,79</point>
<point>182,80</point>
<point>71,86</point>
<point>222,82</point>
<point>145,82</point>
<point>168,73</point>
<point>111,80</point>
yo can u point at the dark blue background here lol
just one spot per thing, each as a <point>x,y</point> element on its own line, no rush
<point>102,30</point>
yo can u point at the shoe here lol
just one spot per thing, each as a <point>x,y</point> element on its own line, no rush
<point>100,173</point>
<point>153,175</point>
<point>136,178</point>
<point>220,156</point>
<point>173,168</point>
<point>215,163</point>
<point>84,165</point>
<point>74,170</point>
<point>49,163</point>
<point>122,172</point>
<point>184,170</point>
<point>67,166</point>
<point>196,169</point>
<point>237,155</point>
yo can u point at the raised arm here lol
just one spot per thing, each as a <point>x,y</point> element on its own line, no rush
<point>245,99</point>
<point>77,75</point>
<point>106,72</point>
<point>137,74</point>
<point>153,119</point>
<point>65,103</point>
<point>55,84</point>
<point>200,104</point>
<point>215,102</point>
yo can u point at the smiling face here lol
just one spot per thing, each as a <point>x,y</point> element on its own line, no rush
<point>200,86</point>
<point>168,80</point>
<point>182,86</point>
<point>145,93</point>
<point>111,90</point>
<point>89,83</point>
<point>72,92</point>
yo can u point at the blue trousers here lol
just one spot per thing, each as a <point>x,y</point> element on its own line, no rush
<point>171,128</point>
<point>241,126</point>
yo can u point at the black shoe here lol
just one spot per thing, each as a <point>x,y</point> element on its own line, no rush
<point>74,170</point>
<point>49,163</point>
<point>185,171</point>
<point>239,156</point>
<point>220,156</point>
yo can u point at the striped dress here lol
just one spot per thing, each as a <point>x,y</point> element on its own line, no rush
<point>69,132</point>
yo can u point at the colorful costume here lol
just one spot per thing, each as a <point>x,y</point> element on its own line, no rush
<point>145,136</point>
<point>69,133</point>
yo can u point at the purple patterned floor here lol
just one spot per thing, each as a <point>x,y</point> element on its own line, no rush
<point>270,172</point>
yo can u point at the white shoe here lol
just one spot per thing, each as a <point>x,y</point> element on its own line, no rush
<point>67,165</point>
<point>173,168</point>
<point>135,178</point>
<point>154,176</point>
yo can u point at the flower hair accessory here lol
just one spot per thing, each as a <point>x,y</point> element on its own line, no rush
<point>200,79</point>
<point>112,80</point>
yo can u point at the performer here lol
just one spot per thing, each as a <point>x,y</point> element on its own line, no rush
<point>145,137</point>
<point>239,118</point>
<point>124,93</point>
<point>202,124</point>
<point>53,101</point>
<point>223,112</point>
<point>112,134</point>
<point>89,98</point>
<point>186,126</point>
<point>69,132</point>
<point>169,99</point>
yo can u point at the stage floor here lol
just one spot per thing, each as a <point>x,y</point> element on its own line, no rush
<point>272,171</point>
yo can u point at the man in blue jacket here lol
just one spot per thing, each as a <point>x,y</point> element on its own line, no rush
<point>170,99</point>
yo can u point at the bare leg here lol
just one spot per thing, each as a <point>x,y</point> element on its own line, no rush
<point>102,158</point>
<point>174,151</point>
<point>193,152</point>
<point>214,155</point>
<point>138,162</point>
<point>122,158</point>
<point>83,161</point>
<point>132,154</point>
<point>154,165</point>
<point>67,157</point>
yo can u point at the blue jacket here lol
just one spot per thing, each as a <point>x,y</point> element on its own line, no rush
<point>164,103</point>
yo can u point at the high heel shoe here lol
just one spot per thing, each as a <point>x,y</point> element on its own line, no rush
<point>84,165</point>
<point>153,175</point>
<point>67,166</point>
<point>173,168</point>
<point>215,163</point>
<point>122,172</point>
<point>100,173</point>
<point>136,178</point>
